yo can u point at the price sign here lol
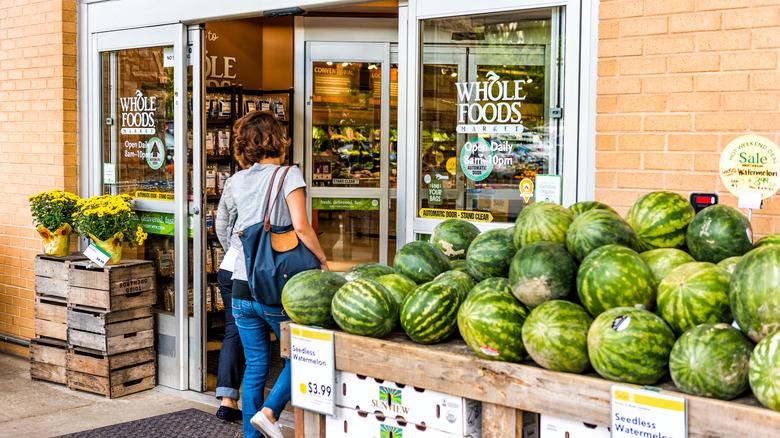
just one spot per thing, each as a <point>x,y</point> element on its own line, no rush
<point>98,255</point>
<point>313,373</point>
<point>638,412</point>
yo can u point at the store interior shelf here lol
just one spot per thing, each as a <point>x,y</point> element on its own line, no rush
<point>452,367</point>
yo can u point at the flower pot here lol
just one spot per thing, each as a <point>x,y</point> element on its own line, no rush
<point>112,245</point>
<point>56,243</point>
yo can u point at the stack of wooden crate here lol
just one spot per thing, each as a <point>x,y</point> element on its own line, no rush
<point>110,327</point>
<point>49,347</point>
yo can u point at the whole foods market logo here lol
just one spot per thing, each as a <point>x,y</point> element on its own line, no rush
<point>390,399</point>
<point>491,106</point>
<point>138,114</point>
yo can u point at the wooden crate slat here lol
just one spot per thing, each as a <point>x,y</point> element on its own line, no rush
<point>48,372</point>
<point>51,311</point>
<point>102,278</point>
<point>126,388</point>
<point>119,383</point>
<point>48,353</point>
<point>101,322</point>
<point>91,298</point>
<point>55,267</point>
<point>101,365</point>
<point>111,344</point>
<point>51,286</point>
<point>50,329</point>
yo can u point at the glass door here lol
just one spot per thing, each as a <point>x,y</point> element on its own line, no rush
<point>348,139</point>
<point>139,126</point>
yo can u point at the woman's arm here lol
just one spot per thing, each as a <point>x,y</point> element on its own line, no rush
<point>226,215</point>
<point>296,202</point>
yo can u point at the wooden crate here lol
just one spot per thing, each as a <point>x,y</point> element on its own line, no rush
<point>51,274</point>
<point>111,375</point>
<point>115,287</point>
<point>50,318</point>
<point>48,360</point>
<point>110,332</point>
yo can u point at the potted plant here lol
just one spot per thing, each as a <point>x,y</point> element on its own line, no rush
<point>107,220</point>
<point>53,212</point>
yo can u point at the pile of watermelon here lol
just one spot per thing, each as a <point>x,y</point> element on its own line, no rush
<point>656,293</point>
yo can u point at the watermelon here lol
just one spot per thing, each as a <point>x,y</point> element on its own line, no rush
<point>542,271</point>
<point>772,239</point>
<point>711,360</point>
<point>492,284</point>
<point>555,334</point>
<point>398,285</point>
<point>490,323</point>
<point>453,237</point>
<point>542,222</point>
<point>692,294</point>
<point>364,307</point>
<point>631,345</point>
<point>662,260</point>
<point>461,280</point>
<point>729,263</point>
<point>755,300</point>
<point>490,254</point>
<point>581,207</point>
<point>420,261</point>
<point>459,265</point>
<point>429,313</point>
<point>717,232</point>
<point>660,220</point>
<point>614,276</point>
<point>367,270</point>
<point>596,228</point>
<point>307,297</point>
<point>764,371</point>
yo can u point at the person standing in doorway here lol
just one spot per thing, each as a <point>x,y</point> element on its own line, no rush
<point>260,147</point>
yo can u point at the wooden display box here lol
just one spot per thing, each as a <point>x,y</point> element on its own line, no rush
<point>111,375</point>
<point>50,318</point>
<point>110,332</point>
<point>48,360</point>
<point>111,288</point>
<point>51,274</point>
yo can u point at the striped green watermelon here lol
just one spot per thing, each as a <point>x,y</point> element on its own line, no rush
<point>542,222</point>
<point>492,284</point>
<point>717,232</point>
<point>614,276</point>
<point>660,220</point>
<point>364,307</point>
<point>711,360</point>
<point>755,292</point>
<point>555,334</point>
<point>729,263</point>
<point>692,294</point>
<point>772,239</point>
<point>631,345</point>
<point>398,285</point>
<point>461,280</point>
<point>542,271</point>
<point>459,265</point>
<point>662,260</point>
<point>429,313</point>
<point>453,237</point>
<point>581,207</point>
<point>307,297</point>
<point>367,270</point>
<point>596,228</point>
<point>490,323</point>
<point>764,371</point>
<point>420,261</point>
<point>490,254</point>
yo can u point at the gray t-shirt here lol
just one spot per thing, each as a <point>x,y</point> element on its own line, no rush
<point>243,201</point>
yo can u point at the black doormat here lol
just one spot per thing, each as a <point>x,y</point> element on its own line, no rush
<point>187,423</point>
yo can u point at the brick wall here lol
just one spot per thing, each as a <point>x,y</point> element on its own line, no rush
<point>37,140</point>
<point>677,81</point>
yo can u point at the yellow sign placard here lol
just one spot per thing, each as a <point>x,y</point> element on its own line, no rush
<point>473,216</point>
<point>751,164</point>
<point>158,196</point>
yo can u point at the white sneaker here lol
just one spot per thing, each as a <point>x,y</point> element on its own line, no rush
<point>263,424</point>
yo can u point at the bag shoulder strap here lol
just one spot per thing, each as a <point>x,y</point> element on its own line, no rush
<point>268,211</point>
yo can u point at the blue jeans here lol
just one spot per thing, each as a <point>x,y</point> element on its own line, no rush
<point>231,355</point>
<point>254,321</point>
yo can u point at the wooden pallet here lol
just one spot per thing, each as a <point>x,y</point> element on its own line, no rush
<point>110,332</point>
<point>50,317</point>
<point>128,285</point>
<point>51,274</point>
<point>112,375</point>
<point>48,360</point>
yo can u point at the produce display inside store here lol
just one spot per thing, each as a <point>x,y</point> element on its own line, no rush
<point>662,294</point>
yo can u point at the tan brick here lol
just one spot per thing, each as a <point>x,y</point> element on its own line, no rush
<point>642,103</point>
<point>751,18</point>
<point>694,22</point>
<point>605,179</point>
<point>681,122</point>
<point>663,7</point>
<point>607,67</point>
<point>750,101</point>
<point>639,180</point>
<point>765,81</point>
<point>764,121</point>
<point>618,85</point>
<point>618,160</point>
<point>752,60</point>
<point>622,199</point>
<point>621,9</point>
<point>681,182</point>
<point>606,142</point>
<point>606,104</point>
<point>644,26</point>
<point>609,30</point>
<point>706,162</point>
<point>766,39</point>
<point>621,47</point>
<point>618,123</point>
<point>694,63</point>
<point>720,122</point>
<point>724,40</point>
<point>693,142</point>
<point>674,44</point>
<point>709,5</point>
<point>641,142</point>
<point>668,84</point>
<point>642,66</point>
<point>690,102</point>
<point>722,82</point>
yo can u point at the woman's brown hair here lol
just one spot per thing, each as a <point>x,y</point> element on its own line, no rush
<point>258,135</point>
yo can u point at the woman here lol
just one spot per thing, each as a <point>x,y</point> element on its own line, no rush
<point>260,148</point>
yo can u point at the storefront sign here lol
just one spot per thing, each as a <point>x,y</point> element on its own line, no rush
<point>473,216</point>
<point>345,181</point>
<point>161,223</point>
<point>750,164</point>
<point>312,369</point>
<point>155,153</point>
<point>322,171</point>
<point>526,189</point>
<point>159,196</point>
<point>109,173</point>
<point>435,189</point>
<point>345,204</point>
<point>548,188</point>
<point>138,114</point>
<point>638,412</point>
<point>490,106</point>
<point>476,159</point>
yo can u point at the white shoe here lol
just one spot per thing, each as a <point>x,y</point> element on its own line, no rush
<point>263,424</point>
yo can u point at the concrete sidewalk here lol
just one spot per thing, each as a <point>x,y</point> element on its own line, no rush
<point>41,409</point>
